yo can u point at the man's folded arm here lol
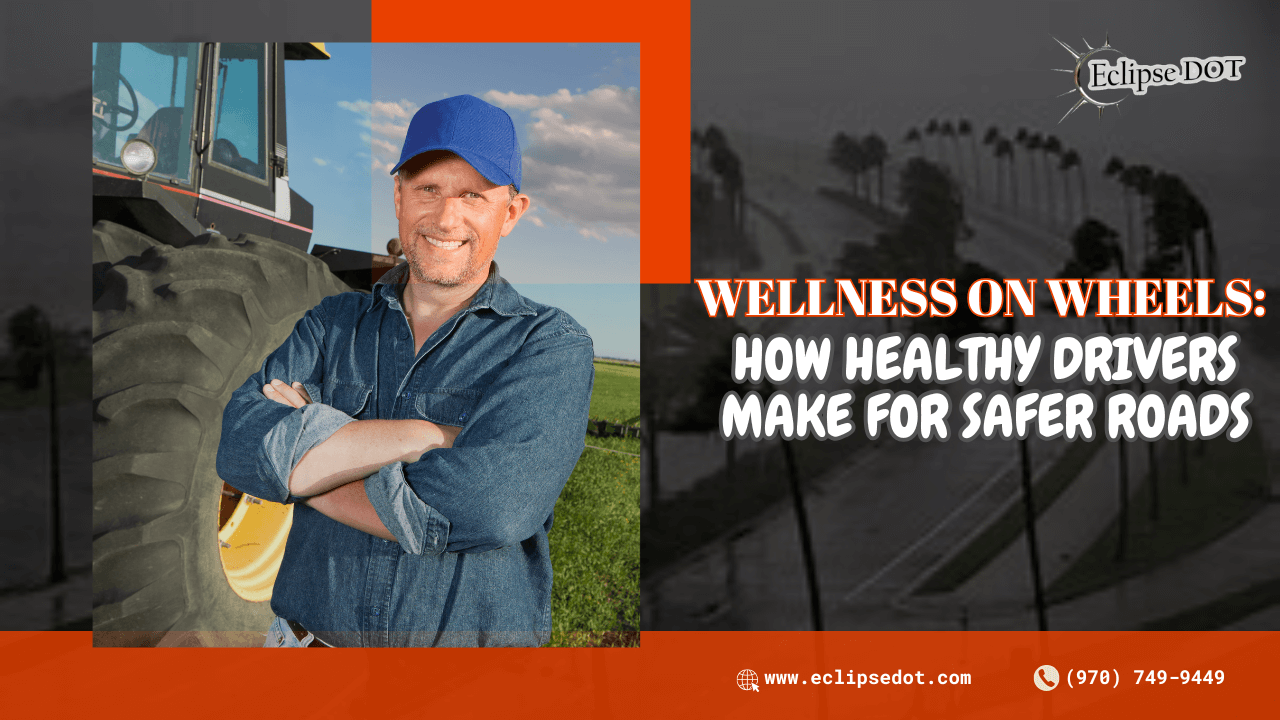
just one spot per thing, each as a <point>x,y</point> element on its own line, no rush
<point>349,505</point>
<point>359,449</point>
<point>261,438</point>
<point>280,452</point>
<point>498,485</point>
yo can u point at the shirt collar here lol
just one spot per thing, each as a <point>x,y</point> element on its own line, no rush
<point>495,294</point>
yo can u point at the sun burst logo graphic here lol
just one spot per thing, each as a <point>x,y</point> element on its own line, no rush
<point>1080,86</point>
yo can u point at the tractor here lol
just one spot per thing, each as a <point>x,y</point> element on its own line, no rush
<point>200,269</point>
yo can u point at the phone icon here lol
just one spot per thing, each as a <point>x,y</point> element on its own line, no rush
<point>1046,677</point>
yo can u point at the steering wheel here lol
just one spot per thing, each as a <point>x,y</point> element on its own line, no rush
<point>131,114</point>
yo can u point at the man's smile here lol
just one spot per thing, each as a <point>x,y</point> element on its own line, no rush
<point>445,244</point>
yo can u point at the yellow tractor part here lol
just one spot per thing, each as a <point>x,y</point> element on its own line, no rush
<point>251,543</point>
<point>305,51</point>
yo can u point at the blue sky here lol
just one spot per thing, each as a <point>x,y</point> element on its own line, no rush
<point>576,110</point>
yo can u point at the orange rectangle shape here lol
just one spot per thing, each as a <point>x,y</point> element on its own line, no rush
<point>673,674</point>
<point>661,28</point>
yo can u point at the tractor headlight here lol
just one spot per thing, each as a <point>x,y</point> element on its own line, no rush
<point>138,157</point>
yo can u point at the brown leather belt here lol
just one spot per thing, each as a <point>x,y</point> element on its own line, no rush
<point>301,633</point>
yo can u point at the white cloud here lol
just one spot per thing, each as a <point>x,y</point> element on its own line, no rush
<point>582,162</point>
<point>359,107</point>
<point>391,130</point>
<point>389,125</point>
<point>402,110</point>
<point>535,220</point>
<point>321,161</point>
<point>385,146</point>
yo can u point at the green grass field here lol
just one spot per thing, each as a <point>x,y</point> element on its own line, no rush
<point>595,542</point>
<point>616,396</point>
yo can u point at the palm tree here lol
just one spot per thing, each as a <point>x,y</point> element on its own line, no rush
<point>1200,221</point>
<point>35,342</point>
<point>1046,195</point>
<point>1023,139</point>
<point>714,138</point>
<point>1095,250</point>
<point>1052,146</point>
<point>913,136</point>
<point>1078,162</point>
<point>698,144</point>
<point>806,536</point>
<point>1136,180</point>
<point>1071,159</point>
<point>1115,169</point>
<point>949,131</point>
<point>726,164</point>
<point>1178,218</point>
<point>1004,148</point>
<point>1175,218</point>
<point>931,130</point>
<point>1140,178</point>
<point>989,138</point>
<point>1149,266</point>
<point>847,156</point>
<point>1032,144</point>
<point>924,244</point>
<point>874,153</point>
<point>964,128</point>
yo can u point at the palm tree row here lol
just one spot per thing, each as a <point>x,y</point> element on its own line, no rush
<point>693,332</point>
<point>856,157</point>
<point>1177,236</point>
<point>1183,246</point>
<point>1052,153</point>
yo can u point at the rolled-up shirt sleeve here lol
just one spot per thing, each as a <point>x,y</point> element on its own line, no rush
<point>291,438</point>
<point>419,528</point>
<point>263,440</point>
<point>498,484</point>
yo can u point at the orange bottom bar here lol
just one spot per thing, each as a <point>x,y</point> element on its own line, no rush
<point>673,674</point>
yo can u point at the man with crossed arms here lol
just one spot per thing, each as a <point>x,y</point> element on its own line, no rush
<point>424,430</point>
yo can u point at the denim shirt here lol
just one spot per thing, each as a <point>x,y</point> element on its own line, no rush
<point>471,565</point>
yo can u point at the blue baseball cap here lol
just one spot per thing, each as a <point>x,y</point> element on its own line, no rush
<point>480,133</point>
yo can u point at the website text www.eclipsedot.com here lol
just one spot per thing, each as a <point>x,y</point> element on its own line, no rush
<point>748,680</point>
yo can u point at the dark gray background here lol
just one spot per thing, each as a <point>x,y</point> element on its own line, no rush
<point>807,70</point>
<point>781,80</point>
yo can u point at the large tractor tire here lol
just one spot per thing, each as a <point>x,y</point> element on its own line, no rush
<point>176,331</point>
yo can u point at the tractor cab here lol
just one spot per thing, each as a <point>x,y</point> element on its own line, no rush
<point>189,137</point>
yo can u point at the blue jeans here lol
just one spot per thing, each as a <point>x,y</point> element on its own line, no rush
<point>280,635</point>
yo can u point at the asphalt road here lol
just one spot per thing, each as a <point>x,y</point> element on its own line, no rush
<point>880,523</point>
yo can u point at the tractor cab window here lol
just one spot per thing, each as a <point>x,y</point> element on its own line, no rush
<point>239,142</point>
<point>146,91</point>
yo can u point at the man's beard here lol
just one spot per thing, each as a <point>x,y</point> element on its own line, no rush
<point>423,273</point>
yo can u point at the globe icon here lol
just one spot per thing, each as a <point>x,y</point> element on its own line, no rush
<point>748,680</point>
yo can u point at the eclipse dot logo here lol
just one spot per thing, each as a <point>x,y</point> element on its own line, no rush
<point>748,680</point>
<point>1091,74</point>
<point>1046,677</point>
